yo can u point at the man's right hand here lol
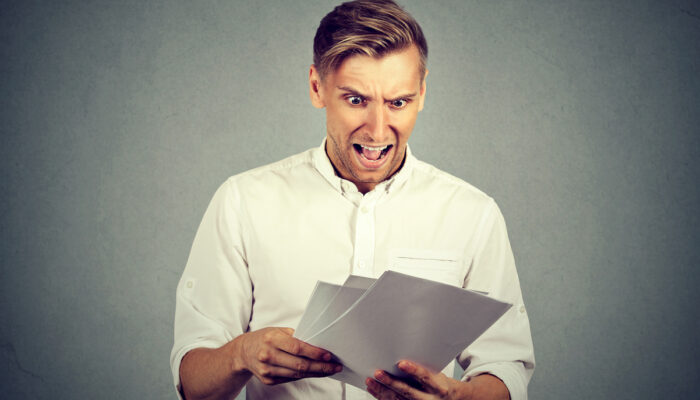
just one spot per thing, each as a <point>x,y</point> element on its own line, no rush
<point>274,356</point>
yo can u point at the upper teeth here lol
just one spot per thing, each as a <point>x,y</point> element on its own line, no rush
<point>374,148</point>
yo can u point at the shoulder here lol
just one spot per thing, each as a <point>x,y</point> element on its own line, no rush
<point>448,187</point>
<point>274,175</point>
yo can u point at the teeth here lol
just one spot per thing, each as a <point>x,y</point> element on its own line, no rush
<point>374,148</point>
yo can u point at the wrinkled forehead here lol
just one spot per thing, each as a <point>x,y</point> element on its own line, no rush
<point>396,69</point>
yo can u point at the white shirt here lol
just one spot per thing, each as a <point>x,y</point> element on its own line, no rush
<point>270,233</point>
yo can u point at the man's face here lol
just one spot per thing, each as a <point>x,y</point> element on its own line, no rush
<point>371,108</point>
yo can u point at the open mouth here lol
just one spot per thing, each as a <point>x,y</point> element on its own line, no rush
<point>372,154</point>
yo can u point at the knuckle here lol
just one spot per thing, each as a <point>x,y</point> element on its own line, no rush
<point>302,366</point>
<point>424,380</point>
<point>264,372</point>
<point>267,381</point>
<point>295,347</point>
<point>268,337</point>
<point>263,355</point>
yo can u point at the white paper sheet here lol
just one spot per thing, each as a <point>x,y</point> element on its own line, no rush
<point>341,302</point>
<point>359,282</point>
<point>399,317</point>
<point>322,295</point>
<point>324,306</point>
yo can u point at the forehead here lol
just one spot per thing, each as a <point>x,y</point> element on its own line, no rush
<point>398,70</point>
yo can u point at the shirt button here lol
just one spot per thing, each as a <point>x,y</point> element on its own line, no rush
<point>361,264</point>
<point>190,284</point>
<point>522,309</point>
<point>364,210</point>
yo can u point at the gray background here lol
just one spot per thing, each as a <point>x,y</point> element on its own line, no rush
<point>120,119</point>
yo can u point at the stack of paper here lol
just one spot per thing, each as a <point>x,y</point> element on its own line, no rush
<point>372,324</point>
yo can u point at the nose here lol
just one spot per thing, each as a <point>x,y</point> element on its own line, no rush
<point>377,123</point>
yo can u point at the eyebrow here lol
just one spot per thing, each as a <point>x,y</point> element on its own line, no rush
<point>353,91</point>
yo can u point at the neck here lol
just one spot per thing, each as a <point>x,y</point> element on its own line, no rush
<point>363,187</point>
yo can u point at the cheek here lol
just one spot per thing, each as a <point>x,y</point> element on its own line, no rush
<point>345,122</point>
<point>405,126</point>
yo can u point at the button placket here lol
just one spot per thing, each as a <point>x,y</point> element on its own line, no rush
<point>364,237</point>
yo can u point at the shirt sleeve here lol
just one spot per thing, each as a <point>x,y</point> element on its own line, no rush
<point>214,296</point>
<point>505,350</point>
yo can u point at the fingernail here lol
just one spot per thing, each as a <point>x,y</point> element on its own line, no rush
<point>338,368</point>
<point>378,374</point>
<point>405,366</point>
<point>327,357</point>
<point>370,388</point>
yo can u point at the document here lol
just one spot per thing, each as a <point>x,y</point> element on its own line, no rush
<point>322,295</point>
<point>372,324</point>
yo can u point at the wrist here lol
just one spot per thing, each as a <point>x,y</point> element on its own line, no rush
<point>234,353</point>
<point>465,390</point>
<point>487,386</point>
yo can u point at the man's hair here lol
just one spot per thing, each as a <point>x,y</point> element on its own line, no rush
<point>373,28</point>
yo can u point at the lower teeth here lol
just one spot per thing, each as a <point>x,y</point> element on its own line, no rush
<point>381,155</point>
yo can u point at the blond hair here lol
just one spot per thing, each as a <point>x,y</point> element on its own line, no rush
<point>372,28</point>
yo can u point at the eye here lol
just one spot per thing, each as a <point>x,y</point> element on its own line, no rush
<point>400,103</point>
<point>355,100</point>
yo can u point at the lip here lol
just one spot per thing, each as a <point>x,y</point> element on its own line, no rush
<point>373,165</point>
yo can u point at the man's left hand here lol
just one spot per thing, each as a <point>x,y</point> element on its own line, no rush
<point>432,385</point>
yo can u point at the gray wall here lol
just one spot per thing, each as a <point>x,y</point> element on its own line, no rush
<point>119,120</point>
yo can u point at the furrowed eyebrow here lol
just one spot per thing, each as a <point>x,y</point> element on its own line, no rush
<point>357,93</point>
<point>405,96</point>
<point>353,92</point>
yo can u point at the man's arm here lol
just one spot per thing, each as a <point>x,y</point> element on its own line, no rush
<point>212,356</point>
<point>209,374</point>
<point>505,350</point>
<point>500,362</point>
<point>272,355</point>
<point>487,386</point>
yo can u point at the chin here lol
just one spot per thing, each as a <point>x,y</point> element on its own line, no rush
<point>372,177</point>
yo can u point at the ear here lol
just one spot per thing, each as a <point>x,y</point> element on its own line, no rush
<point>421,96</point>
<point>315,90</point>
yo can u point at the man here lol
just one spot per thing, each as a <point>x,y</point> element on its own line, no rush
<point>360,204</point>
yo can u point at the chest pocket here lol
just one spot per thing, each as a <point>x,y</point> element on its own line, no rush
<point>437,265</point>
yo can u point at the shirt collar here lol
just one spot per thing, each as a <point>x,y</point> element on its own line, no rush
<point>325,167</point>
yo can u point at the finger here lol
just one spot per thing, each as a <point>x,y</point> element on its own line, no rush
<point>299,348</point>
<point>270,379</point>
<point>378,391</point>
<point>424,376</point>
<point>288,331</point>
<point>300,364</point>
<point>401,388</point>
<point>272,374</point>
<point>372,387</point>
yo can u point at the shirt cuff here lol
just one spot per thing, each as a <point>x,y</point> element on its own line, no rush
<point>176,360</point>
<point>512,375</point>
